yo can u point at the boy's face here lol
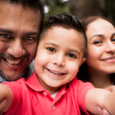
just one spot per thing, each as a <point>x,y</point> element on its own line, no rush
<point>59,55</point>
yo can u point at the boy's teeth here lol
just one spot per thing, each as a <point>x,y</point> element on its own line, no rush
<point>55,72</point>
<point>13,62</point>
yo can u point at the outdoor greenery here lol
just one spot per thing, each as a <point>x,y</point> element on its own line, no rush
<point>53,7</point>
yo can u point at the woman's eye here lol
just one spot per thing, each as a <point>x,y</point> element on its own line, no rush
<point>113,39</point>
<point>71,55</point>
<point>97,42</point>
<point>51,49</point>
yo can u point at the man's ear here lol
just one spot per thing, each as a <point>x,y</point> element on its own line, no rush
<point>83,60</point>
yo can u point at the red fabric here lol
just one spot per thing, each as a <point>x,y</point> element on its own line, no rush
<point>30,98</point>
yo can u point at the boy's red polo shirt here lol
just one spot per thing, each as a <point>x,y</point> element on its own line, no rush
<point>30,98</point>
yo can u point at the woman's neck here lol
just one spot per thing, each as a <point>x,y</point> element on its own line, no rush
<point>99,79</point>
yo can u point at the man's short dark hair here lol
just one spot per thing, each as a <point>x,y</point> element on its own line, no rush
<point>36,5</point>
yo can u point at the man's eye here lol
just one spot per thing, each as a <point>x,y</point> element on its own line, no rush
<point>71,55</point>
<point>51,49</point>
<point>5,35</point>
<point>29,38</point>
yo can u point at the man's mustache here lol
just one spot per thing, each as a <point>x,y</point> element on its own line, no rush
<point>9,56</point>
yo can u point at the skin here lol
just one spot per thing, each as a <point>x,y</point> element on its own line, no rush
<point>19,29</point>
<point>101,50</point>
<point>57,62</point>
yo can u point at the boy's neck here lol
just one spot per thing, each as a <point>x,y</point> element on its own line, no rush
<point>99,79</point>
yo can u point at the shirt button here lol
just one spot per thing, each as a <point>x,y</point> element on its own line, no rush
<point>45,93</point>
<point>53,107</point>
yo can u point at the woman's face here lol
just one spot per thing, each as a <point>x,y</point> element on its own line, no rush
<point>101,46</point>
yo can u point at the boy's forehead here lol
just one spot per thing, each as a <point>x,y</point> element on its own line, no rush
<point>68,34</point>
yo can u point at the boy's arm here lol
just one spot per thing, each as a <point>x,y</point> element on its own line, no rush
<point>99,97</point>
<point>6,98</point>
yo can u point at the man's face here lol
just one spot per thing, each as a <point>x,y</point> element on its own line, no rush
<point>19,28</point>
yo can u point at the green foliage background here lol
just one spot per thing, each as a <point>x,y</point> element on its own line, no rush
<point>61,6</point>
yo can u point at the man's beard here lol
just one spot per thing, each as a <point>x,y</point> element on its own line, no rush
<point>15,74</point>
<point>13,77</point>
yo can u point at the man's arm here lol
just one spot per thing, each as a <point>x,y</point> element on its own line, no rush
<point>6,98</point>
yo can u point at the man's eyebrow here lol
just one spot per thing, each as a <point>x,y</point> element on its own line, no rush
<point>31,33</point>
<point>11,32</point>
<point>6,31</point>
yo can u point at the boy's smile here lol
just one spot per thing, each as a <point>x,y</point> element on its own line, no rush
<point>59,56</point>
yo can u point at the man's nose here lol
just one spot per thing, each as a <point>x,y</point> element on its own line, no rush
<point>16,48</point>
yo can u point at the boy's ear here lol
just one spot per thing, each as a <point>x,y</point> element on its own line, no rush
<point>83,60</point>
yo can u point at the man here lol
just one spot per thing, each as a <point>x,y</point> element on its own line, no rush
<point>20,26</point>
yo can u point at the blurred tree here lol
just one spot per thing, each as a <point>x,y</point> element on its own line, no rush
<point>84,8</point>
<point>81,8</point>
<point>56,7</point>
<point>110,9</point>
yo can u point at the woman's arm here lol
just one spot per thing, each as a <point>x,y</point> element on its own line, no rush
<point>6,98</point>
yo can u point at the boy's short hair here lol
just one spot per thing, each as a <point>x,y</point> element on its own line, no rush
<point>67,21</point>
<point>36,5</point>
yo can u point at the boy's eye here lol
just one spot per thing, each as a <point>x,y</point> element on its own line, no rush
<point>71,55</point>
<point>97,42</point>
<point>51,49</point>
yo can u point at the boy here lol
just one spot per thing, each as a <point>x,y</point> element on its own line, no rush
<point>53,88</point>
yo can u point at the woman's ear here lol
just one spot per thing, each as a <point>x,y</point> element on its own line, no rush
<point>83,60</point>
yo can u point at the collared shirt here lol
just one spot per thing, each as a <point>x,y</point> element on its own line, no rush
<point>29,71</point>
<point>30,98</point>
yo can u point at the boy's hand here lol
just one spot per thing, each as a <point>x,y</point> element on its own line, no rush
<point>2,105</point>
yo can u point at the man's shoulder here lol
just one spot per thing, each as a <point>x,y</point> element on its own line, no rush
<point>29,70</point>
<point>2,79</point>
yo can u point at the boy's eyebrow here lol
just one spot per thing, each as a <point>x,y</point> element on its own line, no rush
<point>72,50</point>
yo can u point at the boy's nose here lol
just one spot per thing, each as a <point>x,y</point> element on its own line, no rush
<point>59,60</point>
<point>16,48</point>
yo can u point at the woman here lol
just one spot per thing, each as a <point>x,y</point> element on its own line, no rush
<point>99,67</point>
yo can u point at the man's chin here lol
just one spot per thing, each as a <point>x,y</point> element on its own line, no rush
<point>12,76</point>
